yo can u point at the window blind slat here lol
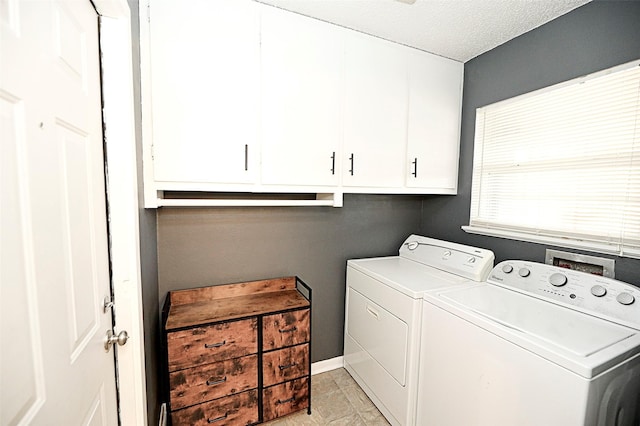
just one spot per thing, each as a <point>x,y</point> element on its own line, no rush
<point>563,162</point>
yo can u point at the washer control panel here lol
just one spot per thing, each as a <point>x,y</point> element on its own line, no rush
<point>604,297</point>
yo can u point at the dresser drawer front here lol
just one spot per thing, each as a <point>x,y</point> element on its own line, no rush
<point>280,400</point>
<point>286,329</point>
<point>195,385</point>
<point>240,409</point>
<point>217,342</point>
<point>285,364</point>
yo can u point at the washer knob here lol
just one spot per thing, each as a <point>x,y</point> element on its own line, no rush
<point>625,298</point>
<point>507,269</point>
<point>524,272</point>
<point>598,291</point>
<point>446,254</point>
<point>558,279</point>
<point>472,260</point>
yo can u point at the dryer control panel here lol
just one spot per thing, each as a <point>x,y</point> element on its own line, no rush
<point>472,263</point>
<point>607,298</point>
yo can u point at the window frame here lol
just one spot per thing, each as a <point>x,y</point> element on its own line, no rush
<point>545,236</point>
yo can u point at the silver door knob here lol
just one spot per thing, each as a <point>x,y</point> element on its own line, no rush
<point>121,338</point>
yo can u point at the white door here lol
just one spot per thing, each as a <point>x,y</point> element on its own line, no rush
<point>433,132</point>
<point>53,256</point>
<point>375,124</point>
<point>302,90</point>
<point>205,83</point>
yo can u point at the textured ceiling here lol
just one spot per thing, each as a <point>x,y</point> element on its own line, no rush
<point>456,29</point>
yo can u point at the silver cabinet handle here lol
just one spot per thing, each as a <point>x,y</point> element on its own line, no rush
<point>246,157</point>
<point>284,367</point>
<point>285,401</point>
<point>216,382</point>
<point>217,419</point>
<point>351,159</point>
<point>214,345</point>
<point>415,167</point>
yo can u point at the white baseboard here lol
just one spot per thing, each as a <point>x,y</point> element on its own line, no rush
<point>327,365</point>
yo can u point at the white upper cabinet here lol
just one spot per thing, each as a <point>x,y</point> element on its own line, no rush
<point>435,93</point>
<point>302,90</point>
<point>375,115</point>
<point>241,97</point>
<point>205,85</point>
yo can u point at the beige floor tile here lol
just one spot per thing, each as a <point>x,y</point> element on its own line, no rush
<point>358,398</point>
<point>336,399</point>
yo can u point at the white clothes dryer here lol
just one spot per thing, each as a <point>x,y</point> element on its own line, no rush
<point>534,345</point>
<point>383,316</point>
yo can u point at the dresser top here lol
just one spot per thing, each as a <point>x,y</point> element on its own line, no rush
<point>188,308</point>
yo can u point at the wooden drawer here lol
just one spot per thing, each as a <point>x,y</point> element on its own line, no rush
<point>285,364</point>
<point>240,409</point>
<point>203,345</point>
<point>287,329</point>
<point>280,400</point>
<point>199,384</point>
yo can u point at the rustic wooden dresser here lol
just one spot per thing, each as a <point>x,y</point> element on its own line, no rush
<point>238,354</point>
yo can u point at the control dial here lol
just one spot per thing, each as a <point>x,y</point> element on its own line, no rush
<point>507,269</point>
<point>625,298</point>
<point>558,279</point>
<point>598,291</point>
<point>524,272</point>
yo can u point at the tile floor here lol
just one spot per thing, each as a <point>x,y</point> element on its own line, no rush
<point>336,399</point>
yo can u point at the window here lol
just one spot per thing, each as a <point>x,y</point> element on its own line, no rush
<point>561,165</point>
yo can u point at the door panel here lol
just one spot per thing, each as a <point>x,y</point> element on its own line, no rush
<point>54,253</point>
<point>205,88</point>
<point>375,123</point>
<point>303,85</point>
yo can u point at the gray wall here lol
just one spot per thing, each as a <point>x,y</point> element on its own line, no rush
<point>198,247</point>
<point>593,37</point>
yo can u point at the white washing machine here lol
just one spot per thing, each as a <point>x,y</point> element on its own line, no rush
<point>534,345</point>
<point>384,315</point>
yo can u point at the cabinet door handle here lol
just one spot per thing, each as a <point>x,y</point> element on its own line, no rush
<point>215,345</point>
<point>287,330</point>
<point>333,163</point>
<point>284,367</point>
<point>216,382</point>
<point>415,167</point>
<point>217,419</point>
<point>285,401</point>
<point>246,157</point>
<point>351,159</point>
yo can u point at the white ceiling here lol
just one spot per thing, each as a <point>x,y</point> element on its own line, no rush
<point>456,29</point>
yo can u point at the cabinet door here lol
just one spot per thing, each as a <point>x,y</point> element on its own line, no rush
<point>375,112</point>
<point>205,65</point>
<point>435,96</point>
<point>302,86</point>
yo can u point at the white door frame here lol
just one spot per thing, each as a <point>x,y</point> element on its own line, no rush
<point>122,187</point>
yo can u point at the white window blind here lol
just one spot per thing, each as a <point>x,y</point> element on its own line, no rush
<point>562,165</point>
